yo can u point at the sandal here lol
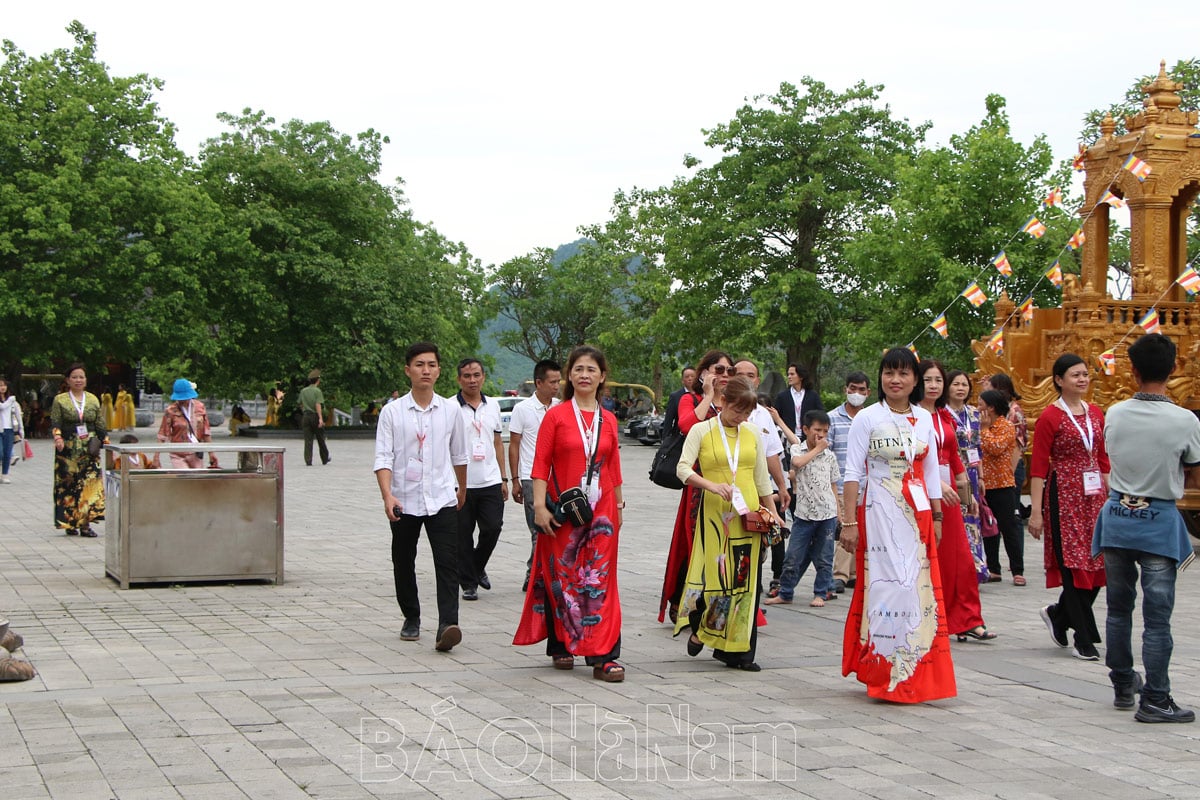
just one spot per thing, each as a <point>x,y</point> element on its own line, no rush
<point>1018,580</point>
<point>817,602</point>
<point>564,662</point>
<point>994,577</point>
<point>609,672</point>
<point>88,533</point>
<point>746,666</point>
<point>694,646</point>
<point>72,532</point>
<point>673,613</point>
<point>11,641</point>
<point>773,591</point>
<point>13,670</point>
<point>979,634</point>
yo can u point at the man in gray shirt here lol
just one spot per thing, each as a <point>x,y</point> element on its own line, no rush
<point>1151,442</point>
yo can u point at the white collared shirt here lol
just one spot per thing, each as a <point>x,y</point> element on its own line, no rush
<point>797,401</point>
<point>445,447</point>
<point>482,425</point>
<point>527,417</point>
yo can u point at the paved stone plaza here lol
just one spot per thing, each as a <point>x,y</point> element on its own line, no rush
<point>305,689</point>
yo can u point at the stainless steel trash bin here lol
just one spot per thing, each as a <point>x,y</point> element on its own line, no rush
<point>191,525</point>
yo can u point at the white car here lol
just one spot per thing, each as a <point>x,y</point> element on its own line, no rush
<point>507,404</point>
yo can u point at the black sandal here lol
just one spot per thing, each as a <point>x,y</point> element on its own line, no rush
<point>694,646</point>
<point>979,633</point>
<point>88,533</point>
<point>748,666</point>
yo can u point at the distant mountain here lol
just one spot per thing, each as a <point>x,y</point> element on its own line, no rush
<point>510,369</point>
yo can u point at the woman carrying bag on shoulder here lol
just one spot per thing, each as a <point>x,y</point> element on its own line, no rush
<point>13,429</point>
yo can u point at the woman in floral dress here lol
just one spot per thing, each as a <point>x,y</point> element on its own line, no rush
<point>966,428</point>
<point>75,418</point>
<point>572,600</point>
<point>1068,487</point>
<point>895,639</point>
<point>720,596</point>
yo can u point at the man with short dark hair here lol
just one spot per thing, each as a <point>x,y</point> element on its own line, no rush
<point>523,427</point>
<point>420,458</point>
<point>487,485</point>
<point>312,404</point>
<point>858,387</point>
<point>1151,444</point>
<point>671,415</point>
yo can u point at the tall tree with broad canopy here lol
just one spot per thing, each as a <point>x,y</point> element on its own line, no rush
<point>956,207</point>
<point>750,248</point>
<point>105,242</point>
<point>336,273</point>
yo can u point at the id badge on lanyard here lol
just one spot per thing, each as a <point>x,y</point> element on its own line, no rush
<point>916,486</point>
<point>591,443</point>
<point>478,451</point>
<point>81,430</point>
<point>739,502</point>
<point>1092,483</point>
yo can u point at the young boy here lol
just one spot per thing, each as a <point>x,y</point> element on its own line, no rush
<point>815,517</point>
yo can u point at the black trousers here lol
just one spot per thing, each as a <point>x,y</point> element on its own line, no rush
<point>442,531</point>
<point>311,430</point>
<point>1003,504</point>
<point>1073,611</point>
<point>483,507</point>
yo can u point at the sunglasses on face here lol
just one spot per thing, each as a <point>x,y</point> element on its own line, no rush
<point>721,369</point>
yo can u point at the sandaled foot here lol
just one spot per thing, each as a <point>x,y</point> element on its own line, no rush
<point>72,532</point>
<point>817,602</point>
<point>1018,580</point>
<point>745,666</point>
<point>11,641</point>
<point>564,662</point>
<point>777,600</point>
<point>673,613</point>
<point>13,670</point>
<point>609,672</point>
<point>979,633</point>
<point>694,646</point>
<point>88,533</point>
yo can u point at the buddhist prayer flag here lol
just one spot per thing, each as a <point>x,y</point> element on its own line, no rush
<point>913,348</point>
<point>1054,198</point>
<point>1112,200</point>
<point>1077,239</point>
<point>1026,309</point>
<point>1000,262</point>
<point>996,343</point>
<point>1055,274</point>
<point>941,326</point>
<point>976,297</point>
<point>1140,169</point>
<point>1080,159</point>
<point>1034,227</point>
<point>1150,321</point>
<point>1108,361</point>
<point>1189,280</point>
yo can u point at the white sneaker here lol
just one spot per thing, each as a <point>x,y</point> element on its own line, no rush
<point>5,479</point>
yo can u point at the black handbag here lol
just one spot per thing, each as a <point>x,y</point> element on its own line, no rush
<point>572,505</point>
<point>662,468</point>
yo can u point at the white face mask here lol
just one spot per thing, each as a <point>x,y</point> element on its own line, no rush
<point>855,399</point>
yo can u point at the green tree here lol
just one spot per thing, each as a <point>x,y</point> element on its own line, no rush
<point>104,240</point>
<point>750,248</point>
<point>956,207</point>
<point>336,273</point>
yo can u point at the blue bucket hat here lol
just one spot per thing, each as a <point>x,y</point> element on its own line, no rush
<point>183,390</point>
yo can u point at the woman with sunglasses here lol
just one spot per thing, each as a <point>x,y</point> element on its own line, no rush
<point>712,374</point>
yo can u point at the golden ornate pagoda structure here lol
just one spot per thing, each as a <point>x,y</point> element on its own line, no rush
<point>1090,321</point>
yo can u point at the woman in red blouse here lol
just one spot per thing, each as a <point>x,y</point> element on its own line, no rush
<point>572,601</point>
<point>960,586</point>
<point>713,372</point>
<point>1068,486</point>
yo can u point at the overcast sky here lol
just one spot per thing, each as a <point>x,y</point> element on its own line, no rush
<point>514,123</point>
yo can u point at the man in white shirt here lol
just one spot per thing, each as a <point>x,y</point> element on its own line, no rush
<point>523,427</point>
<point>768,439</point>
<point>421,459</point>
<point>487,485</point>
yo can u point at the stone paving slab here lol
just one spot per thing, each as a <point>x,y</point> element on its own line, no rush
<point>305,689</point>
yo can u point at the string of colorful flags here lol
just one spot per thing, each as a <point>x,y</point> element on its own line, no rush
<point>1189,279</point>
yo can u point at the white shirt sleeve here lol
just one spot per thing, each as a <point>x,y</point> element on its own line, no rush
<point>933,477</point>
<point>856,445</point>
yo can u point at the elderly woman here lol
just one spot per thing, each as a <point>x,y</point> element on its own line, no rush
<point>720,596</point>
<point>185,420</point>
<point>77,424</point>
